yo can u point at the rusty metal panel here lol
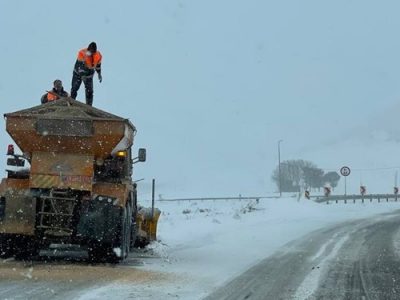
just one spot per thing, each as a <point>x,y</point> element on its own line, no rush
<point>105,136</point>
<point>119,191</point>
<point>68,127</point>
<point>20,209</point>
<point>61,170</point>
<point>11,183</point>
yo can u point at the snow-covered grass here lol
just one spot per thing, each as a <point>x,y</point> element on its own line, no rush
<point>204,244</point>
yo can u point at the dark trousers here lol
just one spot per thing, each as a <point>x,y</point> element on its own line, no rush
<point>76,83</point>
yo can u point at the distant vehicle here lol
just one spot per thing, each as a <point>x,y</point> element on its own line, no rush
<point>78,188</point>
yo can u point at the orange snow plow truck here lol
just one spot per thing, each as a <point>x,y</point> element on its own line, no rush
<point>72,184</point>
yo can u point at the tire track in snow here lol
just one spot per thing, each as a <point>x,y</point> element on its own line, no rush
<point>311,282</point>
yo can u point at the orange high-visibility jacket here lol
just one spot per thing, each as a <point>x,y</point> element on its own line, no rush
<point>91,62</point>
<point>53,95</point>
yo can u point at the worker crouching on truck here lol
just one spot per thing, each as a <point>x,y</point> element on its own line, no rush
<point>56,93</point>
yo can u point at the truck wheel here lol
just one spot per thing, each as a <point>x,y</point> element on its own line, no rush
<point>118,251</point>
<point>128,233</point>
<point>26,248</point>
<point>132,227</point>
<point>6,246</point>
<point>95,252</point>
<point>114,252</point>
<point>123,235</point>
<point>133,236</point>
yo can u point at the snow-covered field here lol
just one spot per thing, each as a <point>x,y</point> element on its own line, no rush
<point>203,244</point>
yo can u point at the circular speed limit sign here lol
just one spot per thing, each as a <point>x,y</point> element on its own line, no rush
<point>345,171</point>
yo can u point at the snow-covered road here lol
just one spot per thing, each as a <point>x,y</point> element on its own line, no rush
<point>202,247</point>
<point>353,260</point>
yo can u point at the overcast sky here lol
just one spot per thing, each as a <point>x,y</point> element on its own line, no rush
<point>212,85</point>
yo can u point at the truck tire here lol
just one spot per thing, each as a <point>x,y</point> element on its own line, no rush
<point>115,252</point>
<point>95,252</point>
<point>26,248</point>
<point>128,233</point>
<point>6,246</point>
<point>133,236</point>
<point>120,249</point>
<point>123,235</point>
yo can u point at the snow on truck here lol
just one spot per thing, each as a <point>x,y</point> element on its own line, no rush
<point>78,188</point>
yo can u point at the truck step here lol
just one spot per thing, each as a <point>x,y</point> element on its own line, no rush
<point>57,198</point>
<point>54,214</point>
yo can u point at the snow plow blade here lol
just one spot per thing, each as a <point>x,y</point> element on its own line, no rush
<point>147,221</point>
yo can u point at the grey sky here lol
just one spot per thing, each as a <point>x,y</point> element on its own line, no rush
<point>212,85</point>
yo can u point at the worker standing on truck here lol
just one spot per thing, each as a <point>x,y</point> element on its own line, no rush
<point>88,61</point>
<point>56,93</point>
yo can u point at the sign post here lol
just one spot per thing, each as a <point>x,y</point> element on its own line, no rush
<point>345,171</point>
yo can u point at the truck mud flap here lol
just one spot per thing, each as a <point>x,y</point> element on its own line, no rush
<point>2,208</point>
<point>99,222</point>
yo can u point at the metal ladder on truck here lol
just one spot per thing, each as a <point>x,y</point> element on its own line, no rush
<point>56,212</point>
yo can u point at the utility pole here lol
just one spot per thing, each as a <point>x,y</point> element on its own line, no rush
<point>279,166</point>
<point>153,187</point>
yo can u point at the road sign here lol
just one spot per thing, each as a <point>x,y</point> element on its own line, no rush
<point>363,190</point>
<point>327,191</point>
<point>345,171</point>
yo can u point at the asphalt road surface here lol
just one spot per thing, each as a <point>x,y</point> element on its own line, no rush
<point>66,274</point>
<point>353,260</point>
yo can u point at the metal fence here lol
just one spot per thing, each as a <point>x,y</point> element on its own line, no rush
<point>222,198</point>
<point>354,198</point>
<point>318,199</point>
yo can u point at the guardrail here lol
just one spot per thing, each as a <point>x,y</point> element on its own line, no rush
<point>354,198</point>
<point>222,198</point>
